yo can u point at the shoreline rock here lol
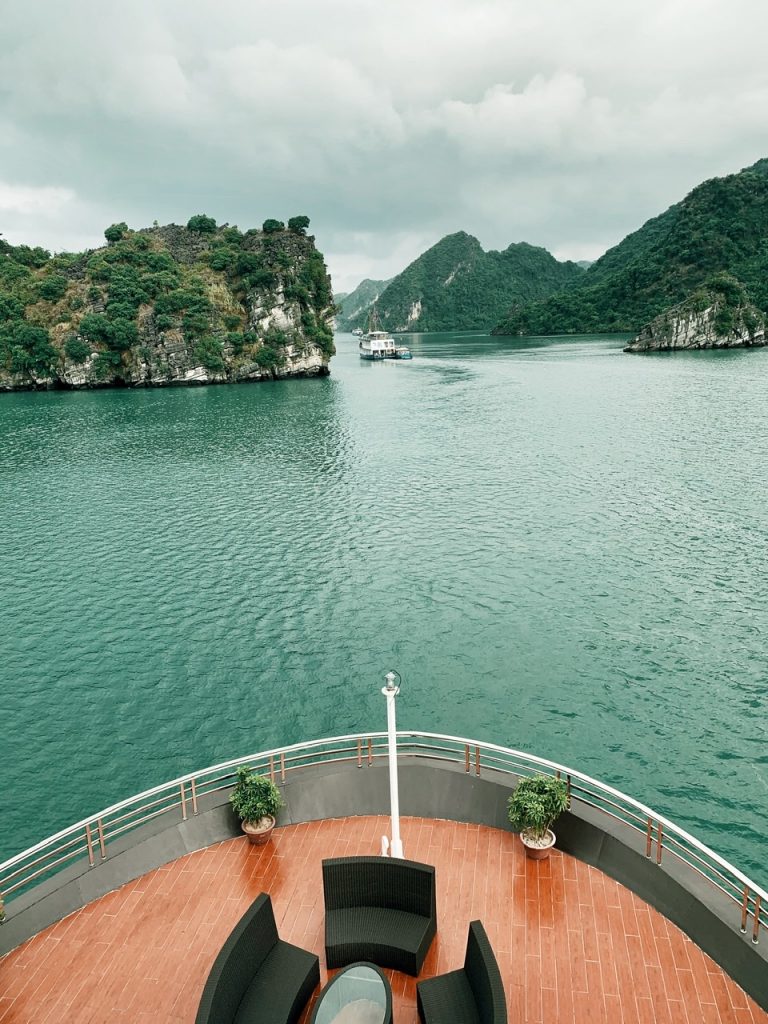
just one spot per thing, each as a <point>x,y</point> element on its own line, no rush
<point>719,316</point>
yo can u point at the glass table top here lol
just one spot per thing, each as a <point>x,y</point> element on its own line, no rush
<point>357,995</point>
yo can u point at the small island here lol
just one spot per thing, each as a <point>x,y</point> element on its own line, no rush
<point>172,305</point>
<point>717,316</point>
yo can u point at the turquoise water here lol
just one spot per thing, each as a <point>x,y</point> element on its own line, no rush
<point>559,547</point>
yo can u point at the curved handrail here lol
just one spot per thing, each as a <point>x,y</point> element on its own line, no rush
<point>91,836</point>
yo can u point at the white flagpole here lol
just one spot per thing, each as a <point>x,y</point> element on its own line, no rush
<point>391,691</point>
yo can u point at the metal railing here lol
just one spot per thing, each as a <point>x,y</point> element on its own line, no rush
<point>653,834</point>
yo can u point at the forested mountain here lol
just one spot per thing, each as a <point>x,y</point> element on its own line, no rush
<point>456,285</point>
<point>354,306</point>
<point>166,305</point>
<point>721,226</point>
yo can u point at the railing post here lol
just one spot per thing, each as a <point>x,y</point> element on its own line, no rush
<point>272,768</point>
<point>183,789</point>
<point>659,843</point>
<point>282,766</point>
<point>649,838</point>
<point>370,751</point>
<point>756,929</point>
<point>359,752</point>
<point>466,758</point>
<point>477,760</point>
<point>102,846</point>
<point>568,789</point>
<point>89,844</point>
<point>194,795</point>
<point>744,908</point>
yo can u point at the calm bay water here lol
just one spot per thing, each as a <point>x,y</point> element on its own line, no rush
<point>560,547</point>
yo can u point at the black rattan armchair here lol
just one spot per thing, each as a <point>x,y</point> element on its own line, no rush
<point>472,995</point>
<point>257,977</point>
<point>380,909</point>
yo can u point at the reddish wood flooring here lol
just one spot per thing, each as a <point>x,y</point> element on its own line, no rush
<point>574,947</point>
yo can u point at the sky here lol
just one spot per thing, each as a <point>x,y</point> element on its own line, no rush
<point>563,123</point>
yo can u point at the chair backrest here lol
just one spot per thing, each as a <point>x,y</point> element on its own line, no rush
<point>380,882</point>
<point>484,977</point>
<point>240,957</point>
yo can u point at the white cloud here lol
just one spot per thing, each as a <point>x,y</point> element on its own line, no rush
<point>365,259</point>
<point>24,199</point>
<point>388,124</point>
<point>548,116</point>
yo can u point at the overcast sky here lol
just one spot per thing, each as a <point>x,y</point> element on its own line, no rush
<point>565,123</point>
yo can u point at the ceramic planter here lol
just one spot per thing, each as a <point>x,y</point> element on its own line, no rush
<point>537,849</point>
<point>258,832</point>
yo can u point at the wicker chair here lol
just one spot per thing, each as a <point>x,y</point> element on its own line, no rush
<point>257,977</point>
<point>379,909</point>
<point>472,995</point>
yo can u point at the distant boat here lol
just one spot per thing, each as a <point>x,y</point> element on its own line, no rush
<point>358,332</point>
<point>375,343</point>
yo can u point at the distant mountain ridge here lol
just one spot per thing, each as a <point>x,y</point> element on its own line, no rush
<point>719,227</point>
<point>457,285</point>
<point>355,304</point>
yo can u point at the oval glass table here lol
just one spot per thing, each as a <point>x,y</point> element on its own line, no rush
<point>358,994</point>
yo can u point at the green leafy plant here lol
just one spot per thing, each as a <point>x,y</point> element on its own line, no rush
<point>52,288</point>
<point>31,349</point>
<point>116,231</point>
<point>208,353</point>
<point>254,796</point>
<point>76,349</point>
<point>269,358</point>
<point>536,803</point>
<point>299,224</point>
<point>200,222</point>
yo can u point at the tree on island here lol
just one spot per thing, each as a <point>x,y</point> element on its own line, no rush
<point>271,225</point>
<point>52,288</point>
<point>116,231</point>
<point>298,225</point>
<point>200,222</point>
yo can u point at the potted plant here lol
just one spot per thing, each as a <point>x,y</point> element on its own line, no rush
<point>256,800</point>
<point>533,807</point>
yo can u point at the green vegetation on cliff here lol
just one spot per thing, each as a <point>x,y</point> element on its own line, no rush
<point>721,226</point>
<point>457,285</point>
<point>166,305</point>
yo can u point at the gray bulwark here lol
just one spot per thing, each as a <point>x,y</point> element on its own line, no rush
<point>429,788</point>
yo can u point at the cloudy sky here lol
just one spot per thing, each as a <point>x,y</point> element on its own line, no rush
<point>565,123</point>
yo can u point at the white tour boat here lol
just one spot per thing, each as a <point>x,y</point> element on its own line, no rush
<point>378,344</point>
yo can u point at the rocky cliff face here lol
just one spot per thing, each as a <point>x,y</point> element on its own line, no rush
<point>166,306</point>
<point>717,317</point>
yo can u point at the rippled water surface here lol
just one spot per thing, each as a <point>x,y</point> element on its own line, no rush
<point>560,547</point>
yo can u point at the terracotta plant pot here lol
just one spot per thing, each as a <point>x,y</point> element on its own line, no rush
<point>535,849</point>
<point>258,832</point>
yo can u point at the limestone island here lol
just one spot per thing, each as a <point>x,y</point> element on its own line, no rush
<point>716,316</point>
<point>201,304</point>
